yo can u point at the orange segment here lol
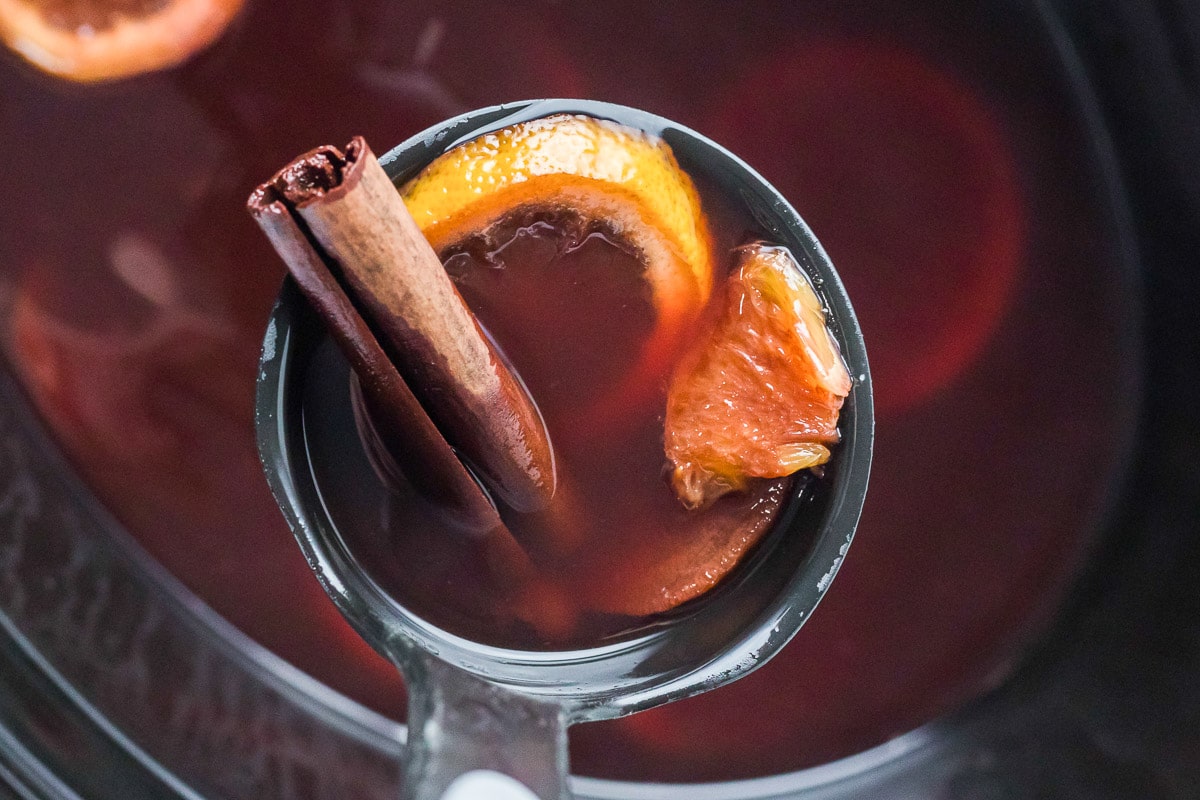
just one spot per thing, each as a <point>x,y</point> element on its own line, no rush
<point>602,171</point>
<point>95,40</point>
<point>760,395</point>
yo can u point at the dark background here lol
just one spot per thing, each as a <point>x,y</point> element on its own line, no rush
<point>1114,710</point>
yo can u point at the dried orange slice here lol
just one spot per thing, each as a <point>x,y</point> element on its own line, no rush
<point>602,171</point>
<point>96,40</point>
<point>759,397</point>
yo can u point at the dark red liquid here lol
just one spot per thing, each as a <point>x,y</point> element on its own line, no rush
<point>616,550</point>
<point>947,191</point>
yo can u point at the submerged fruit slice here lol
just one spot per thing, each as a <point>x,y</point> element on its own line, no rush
<point>95,40</point>
<point>760,395</point>
<point>651,579</point>
<point>622,179</point>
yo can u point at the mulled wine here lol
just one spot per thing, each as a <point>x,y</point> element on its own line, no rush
<point>932,151</point>
<point>682,417</point>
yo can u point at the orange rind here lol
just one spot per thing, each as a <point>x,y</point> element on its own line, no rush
<point>624,179</point>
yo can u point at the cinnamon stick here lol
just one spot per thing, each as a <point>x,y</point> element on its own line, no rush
<point>354,218</point>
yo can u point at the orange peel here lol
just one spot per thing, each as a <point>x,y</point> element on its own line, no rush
<point>627,179</point>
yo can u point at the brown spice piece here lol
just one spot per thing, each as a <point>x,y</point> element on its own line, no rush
<point>351,216</point>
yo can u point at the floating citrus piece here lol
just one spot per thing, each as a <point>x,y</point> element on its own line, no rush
<point>623,179</point>
<point>95,40</point>
<point>760,395</point>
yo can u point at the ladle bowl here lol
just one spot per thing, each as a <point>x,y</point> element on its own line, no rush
<point>479,707</point>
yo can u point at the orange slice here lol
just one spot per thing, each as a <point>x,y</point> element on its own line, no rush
<point>625,178</point>
<point>759,396</point>
<point>96,40</point>
<point>652,579</point>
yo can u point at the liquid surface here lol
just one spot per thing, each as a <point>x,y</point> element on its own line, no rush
<point>926,147</point>
<point>616,550</point>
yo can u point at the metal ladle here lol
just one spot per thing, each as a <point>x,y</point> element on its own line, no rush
<point>477,710</point>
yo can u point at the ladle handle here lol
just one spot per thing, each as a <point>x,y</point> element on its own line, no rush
<point>460,724</point>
